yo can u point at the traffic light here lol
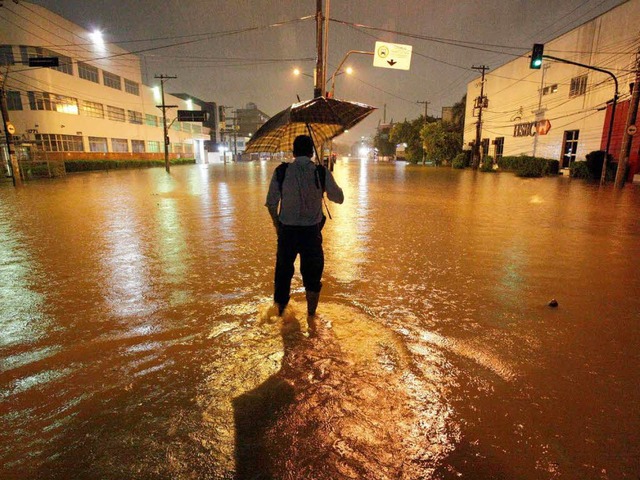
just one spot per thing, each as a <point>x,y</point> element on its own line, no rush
<point>536,56</point>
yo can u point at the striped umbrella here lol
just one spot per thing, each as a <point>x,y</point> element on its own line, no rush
<point>325,117</point>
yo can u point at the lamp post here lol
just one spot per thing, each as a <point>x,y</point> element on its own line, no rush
<point>335,74</point>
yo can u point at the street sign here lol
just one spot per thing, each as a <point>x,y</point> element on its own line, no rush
<point>10,128</point>
<point>392,55</point>
<point>44,62</point>
<point>632,130</point>
<point>192,115</point>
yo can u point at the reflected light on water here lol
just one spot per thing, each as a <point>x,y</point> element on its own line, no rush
<point>21,306</point>
<point>127,279</point>
<point>344,247</point>
<point>226,236</point>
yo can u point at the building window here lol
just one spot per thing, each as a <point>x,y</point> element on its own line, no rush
<point>578,86</point>
<point>53,102</point>
<point>151,120</point>
<point>548,90</point>
<point>137,146</point>
<point>188,148</point>
<point>153,146</point>
<point>65,65</point>
<point>115,113</point>
<point>485,147</point>
<point>131,87</point>
<point>92,109</point>
<point>176,126</point>
<point>119,145</point>
<point>88,72</point>
<point>186,127</point>
<point>111,80</point>
<point>177,148</point>
<point>569,147</point>
<point>60,143</point>
<point>195,128</point>
<point>135,117</point>
<point>98,144</point>
<point>14,101</point>
<point>499,142</point>
<point>6,55</point>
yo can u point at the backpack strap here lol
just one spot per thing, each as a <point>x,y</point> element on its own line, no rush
<point>281,170</point>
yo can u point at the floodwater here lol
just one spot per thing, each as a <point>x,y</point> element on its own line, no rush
<point>137,339</point>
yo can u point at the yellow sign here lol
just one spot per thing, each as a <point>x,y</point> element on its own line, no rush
<point>392,55</point>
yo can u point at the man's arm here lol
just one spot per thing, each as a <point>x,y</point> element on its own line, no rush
<point>273,199</point>
<point>334,192</point>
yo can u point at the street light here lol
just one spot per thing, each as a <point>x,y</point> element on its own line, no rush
<point>335,74</point>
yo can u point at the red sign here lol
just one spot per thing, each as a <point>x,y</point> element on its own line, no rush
<point>543,127</point>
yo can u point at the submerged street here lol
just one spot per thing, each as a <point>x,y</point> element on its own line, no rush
<point>137,338</point>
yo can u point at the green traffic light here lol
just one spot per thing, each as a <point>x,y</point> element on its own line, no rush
<point>537,62</point>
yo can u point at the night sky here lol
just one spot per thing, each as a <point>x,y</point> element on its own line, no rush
<point>257,65</point>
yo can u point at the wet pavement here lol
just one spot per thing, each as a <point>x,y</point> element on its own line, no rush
<point>137,338</point>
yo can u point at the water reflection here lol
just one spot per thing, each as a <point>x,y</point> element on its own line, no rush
<point>22,318</point>
<point>127,280</point>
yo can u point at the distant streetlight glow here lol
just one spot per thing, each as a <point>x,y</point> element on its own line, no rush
<point>349,70</point>
<point>189,104</point>
<point>156,94</point>
<point>296,71</point>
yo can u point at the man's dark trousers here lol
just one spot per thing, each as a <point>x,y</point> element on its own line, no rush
<point>294,240</point>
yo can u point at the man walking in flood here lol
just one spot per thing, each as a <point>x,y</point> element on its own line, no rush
<point>298,187</point>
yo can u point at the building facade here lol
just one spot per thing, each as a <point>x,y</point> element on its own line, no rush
<point>94,101</point>
<point>561,111</point>
<point>249,119</point>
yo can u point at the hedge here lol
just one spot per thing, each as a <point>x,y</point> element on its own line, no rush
<point>528,166</point>
<point>92,165</point>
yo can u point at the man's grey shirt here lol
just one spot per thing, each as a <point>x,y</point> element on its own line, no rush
<point>302,193</point>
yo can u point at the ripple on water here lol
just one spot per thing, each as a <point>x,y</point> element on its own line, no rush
<point>340,401</point>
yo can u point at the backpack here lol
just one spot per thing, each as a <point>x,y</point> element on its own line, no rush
<point>321,174</point>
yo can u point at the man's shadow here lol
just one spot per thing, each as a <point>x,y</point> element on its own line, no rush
<point>258,409</point>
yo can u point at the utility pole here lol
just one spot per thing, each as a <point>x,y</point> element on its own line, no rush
<point>480,104</point>
<point>235,135</point>
<point>426,106</point>
<point>319,87</point>
<point>14,166</point>
<point>627,139</point>
<point>164,107</point>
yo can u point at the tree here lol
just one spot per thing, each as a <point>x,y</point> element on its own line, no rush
<point>383,144</point>
<point>409,132</point>
<point>441,142</point>
<point>459,109</point>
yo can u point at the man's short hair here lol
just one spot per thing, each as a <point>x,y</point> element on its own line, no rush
<point>303,145</point>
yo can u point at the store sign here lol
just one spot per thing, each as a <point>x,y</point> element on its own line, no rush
<point>529,129</point>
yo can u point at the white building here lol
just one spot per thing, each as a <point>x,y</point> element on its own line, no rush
<point>94,101</point>
<point>574,101</point>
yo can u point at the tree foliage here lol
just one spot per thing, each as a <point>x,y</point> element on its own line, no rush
<point>409,132</point>
<point>441,142</point>
<point>383,143</point>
